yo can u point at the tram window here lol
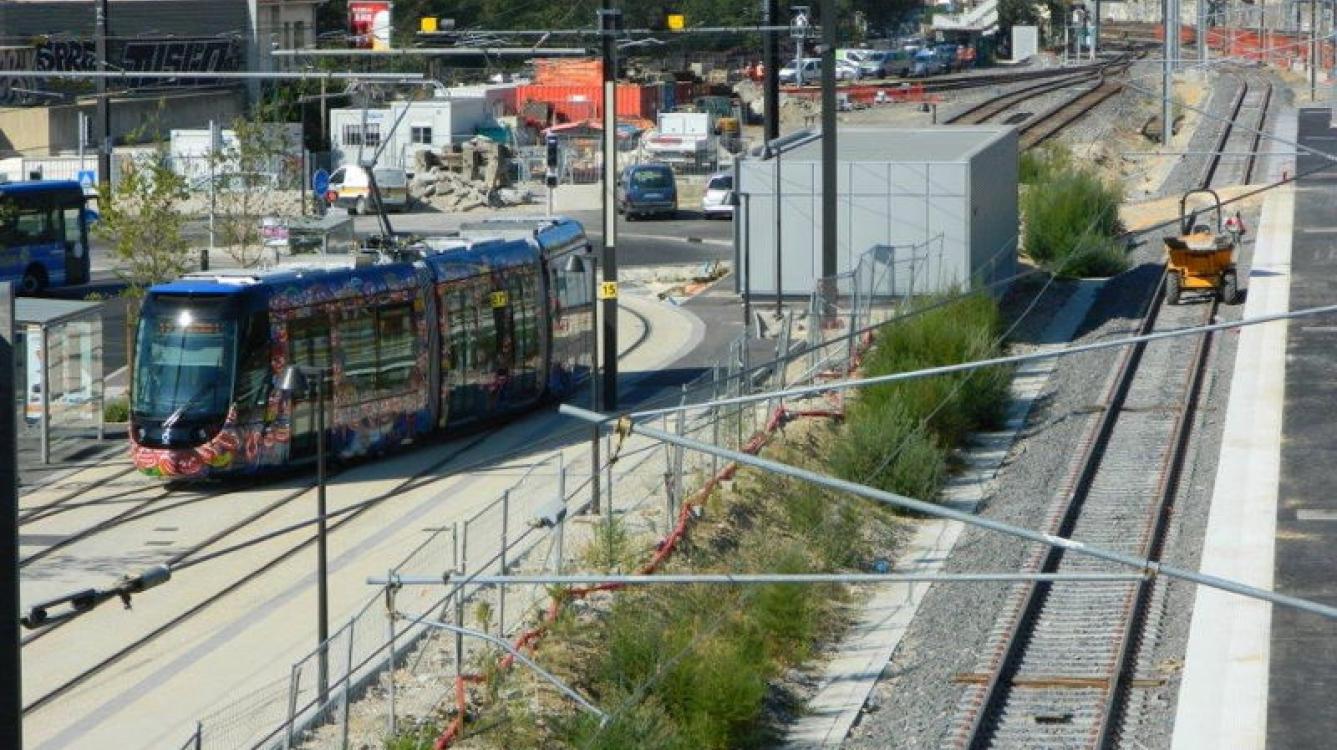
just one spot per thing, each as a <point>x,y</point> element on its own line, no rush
<point>253,380</point>
<point>357,340</point>
<point>396,342</point>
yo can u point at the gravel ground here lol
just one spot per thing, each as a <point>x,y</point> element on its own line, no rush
<point>912,705</point>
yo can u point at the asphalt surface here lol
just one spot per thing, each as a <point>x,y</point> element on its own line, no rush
<point>1303,667</point>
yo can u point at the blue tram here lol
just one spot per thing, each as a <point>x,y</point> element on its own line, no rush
<point>467,330</point>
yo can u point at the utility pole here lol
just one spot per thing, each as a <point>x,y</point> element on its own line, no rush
<point>1166,125</point>
<point>828,138</point>
<point>610,21</point>
<point>770,83</point>
<point>1202,32</point>
<point>103,106</point>
<point>1313,49</point>
<point>11,669</point>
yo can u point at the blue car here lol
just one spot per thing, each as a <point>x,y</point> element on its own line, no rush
<point>647,190</point>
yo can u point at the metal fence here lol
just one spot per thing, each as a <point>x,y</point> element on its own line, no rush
<point>379,664</point>
<point>580,160</point>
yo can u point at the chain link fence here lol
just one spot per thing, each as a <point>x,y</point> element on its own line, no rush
<point>384,670</point>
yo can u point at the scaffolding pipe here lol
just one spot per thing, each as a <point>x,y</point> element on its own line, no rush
<point>597,579</point>
<point>841,385</point>
<point>1149,567</point>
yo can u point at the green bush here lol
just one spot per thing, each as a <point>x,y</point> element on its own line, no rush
<point>898,436</point>
<point>1039,164</point>
<point>1071,220</point>
<point>116,410</point>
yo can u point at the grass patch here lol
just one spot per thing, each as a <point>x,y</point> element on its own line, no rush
<point>1071,215</point>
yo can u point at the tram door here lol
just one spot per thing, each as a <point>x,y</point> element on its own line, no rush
<point>309,346</point>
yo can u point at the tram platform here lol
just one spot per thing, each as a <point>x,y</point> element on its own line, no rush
<point>1258,676</point>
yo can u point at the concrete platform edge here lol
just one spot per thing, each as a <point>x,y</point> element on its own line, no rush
<point>1223,692</point>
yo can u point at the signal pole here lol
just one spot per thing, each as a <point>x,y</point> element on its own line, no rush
<point>11,671</point>
<point>610,21</point>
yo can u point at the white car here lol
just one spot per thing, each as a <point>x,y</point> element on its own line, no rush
<point>718,199</point>
<point>847,71</point>
<point>811,70</point>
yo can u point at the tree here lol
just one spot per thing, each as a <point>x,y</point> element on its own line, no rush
<point>143,221</point>
<point>248,171</point>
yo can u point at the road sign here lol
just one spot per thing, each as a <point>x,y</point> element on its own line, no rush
<point>87,179</point>
<point>320,182</point>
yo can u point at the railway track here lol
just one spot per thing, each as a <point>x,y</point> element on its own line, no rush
<point>1066,662</point>
<point>1236,152</point>
<point>1041,128</point>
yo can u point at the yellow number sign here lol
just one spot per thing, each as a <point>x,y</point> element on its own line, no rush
<point>608,290</point>
<point>499,299</point>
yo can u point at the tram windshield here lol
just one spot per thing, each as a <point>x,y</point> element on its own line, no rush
<point>185,358</point>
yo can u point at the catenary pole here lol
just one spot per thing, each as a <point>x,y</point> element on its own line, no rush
<point>11,670</point>
<point>609,22</point>
<point>103,105</point>
<point>828,138</point>
<point>770,82</point>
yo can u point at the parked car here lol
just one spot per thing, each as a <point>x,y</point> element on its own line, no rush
<point>847,71</point>
<point>885,63</point>
<point>350,188</point>
<point>647,190</point>
<point>811,70</point>
<point>926,63</point>
<point>718,200</point>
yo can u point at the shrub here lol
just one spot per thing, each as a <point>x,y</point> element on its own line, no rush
<point>898,435</point>
<point>1071,219</point>
<point>116,410</point>
<point>1039,164</point>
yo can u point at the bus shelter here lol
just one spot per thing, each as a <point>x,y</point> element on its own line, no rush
<point>58,357</point>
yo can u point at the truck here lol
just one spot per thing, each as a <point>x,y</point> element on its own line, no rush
<point>682,138</point>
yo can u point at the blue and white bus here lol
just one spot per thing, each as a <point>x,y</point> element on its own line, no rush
<point>43,234</point>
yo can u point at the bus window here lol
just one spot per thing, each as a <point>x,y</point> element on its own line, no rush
<point>42,235</point>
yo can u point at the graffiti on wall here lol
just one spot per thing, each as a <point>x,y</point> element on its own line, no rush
<point>14,87</point>
<point>74,55</point>
<point>66,55</point>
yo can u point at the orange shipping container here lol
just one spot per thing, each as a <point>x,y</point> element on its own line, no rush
<point>570,103</point>
<point>558,71</point>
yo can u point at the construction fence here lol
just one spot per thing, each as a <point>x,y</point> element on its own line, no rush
<point>394,662</point>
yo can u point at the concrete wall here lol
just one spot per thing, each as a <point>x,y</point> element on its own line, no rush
<point>32,131</point>
<point>964,206</point>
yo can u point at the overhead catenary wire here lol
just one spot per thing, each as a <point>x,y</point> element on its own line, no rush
<point>732,579</point>
<point>1147,566</point>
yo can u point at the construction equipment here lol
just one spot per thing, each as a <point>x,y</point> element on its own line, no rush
<point>1202,257</point>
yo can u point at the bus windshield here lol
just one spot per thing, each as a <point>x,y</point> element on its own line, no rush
<point>185,358</point>
<point>43,237</point>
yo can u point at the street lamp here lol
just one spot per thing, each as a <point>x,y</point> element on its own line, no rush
<point>577,264</point>
<point>297,380</point>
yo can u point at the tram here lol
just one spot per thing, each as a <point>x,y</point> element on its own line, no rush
<point>461,331</point>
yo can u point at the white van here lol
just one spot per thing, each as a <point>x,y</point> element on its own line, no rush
<point>350,189</point>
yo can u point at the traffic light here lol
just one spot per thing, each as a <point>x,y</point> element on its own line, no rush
<point>551,177</point>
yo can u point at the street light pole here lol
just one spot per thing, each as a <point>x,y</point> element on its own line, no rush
<point>296,380</point>
<point>322,582</point>
<point>610,20</point>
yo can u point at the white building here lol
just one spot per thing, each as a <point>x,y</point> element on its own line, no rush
<point>408,127</point>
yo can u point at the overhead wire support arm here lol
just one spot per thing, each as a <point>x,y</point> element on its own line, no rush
<point>74,604</point>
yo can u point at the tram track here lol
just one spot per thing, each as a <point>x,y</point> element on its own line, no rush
<point>417,480</point>
<point>1236,151</point>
